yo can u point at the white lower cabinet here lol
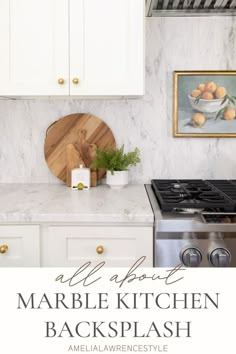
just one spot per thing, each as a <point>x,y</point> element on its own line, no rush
<point>72,246</point>
<point>19,246</point>
<point>118,246</point>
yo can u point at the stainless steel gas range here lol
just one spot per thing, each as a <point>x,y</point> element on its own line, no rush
<point>195,222</point>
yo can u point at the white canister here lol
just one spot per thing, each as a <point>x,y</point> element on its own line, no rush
<point>80,178</point>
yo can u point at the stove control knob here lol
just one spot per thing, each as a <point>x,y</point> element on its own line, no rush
<point>191,257</point>
<point>220,257</point>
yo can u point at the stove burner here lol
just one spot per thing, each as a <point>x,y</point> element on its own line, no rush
<point>188,211</point>
<point>211,197</point>
<point>177,186</point>
<point>179,190</point>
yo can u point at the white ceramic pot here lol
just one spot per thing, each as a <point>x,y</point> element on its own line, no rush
<point>118,180</point>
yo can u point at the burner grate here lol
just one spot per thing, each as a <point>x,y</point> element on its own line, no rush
<point>199,194</point>
<point>228,187</point>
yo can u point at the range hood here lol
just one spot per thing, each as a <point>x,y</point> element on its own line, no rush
<point>156,8</point>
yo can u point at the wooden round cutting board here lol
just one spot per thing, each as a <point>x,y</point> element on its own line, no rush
<point>80,129</point>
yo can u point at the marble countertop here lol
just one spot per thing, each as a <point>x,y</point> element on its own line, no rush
<point>47,203</point>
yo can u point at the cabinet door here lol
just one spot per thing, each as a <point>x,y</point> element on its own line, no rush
<point>34,47</point>
<point>19,246</point>
<point>107,47</point>
<point>72,246</point>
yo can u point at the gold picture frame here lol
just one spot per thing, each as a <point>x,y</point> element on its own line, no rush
<point>204,104</point>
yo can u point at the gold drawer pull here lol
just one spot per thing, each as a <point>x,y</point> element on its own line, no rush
<point>3,249</point>
<point>61,81</point>
<point>100,249</point>
<point>75,81</point>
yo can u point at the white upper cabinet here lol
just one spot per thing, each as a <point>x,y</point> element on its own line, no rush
<point>76,47</point>
<point>34,47</point>
<point>106,47</point>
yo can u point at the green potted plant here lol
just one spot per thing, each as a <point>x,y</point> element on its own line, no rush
<point>116,162</point>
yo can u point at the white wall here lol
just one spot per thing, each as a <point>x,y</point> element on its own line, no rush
<point>172,44</point>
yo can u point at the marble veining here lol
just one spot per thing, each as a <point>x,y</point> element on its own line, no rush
<point>183,43</point>
<point>47,203</point>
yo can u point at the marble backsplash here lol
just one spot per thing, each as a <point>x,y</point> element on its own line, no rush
<point>206,43</point>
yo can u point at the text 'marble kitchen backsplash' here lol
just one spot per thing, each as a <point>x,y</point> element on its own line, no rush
<point>185,43</point>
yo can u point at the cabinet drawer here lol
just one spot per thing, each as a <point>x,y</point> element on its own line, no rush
<point>19,246</point>
<point>117,246</point>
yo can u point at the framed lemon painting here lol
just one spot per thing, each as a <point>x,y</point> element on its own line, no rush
<point>205,104</point>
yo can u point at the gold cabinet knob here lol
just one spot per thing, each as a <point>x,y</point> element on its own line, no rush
<point>100,249</point>
<point>61,81</point>
<point>75,81</point>
<point>3,249</point>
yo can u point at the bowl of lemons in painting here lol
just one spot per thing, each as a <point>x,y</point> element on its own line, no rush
<point>208,97</point>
